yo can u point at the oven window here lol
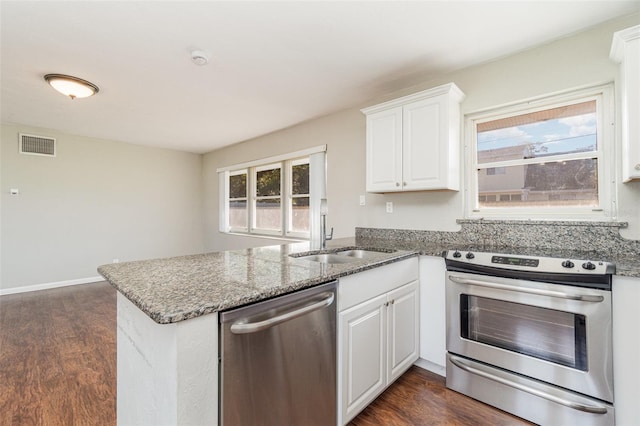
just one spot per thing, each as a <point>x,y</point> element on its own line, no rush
<point>555,336</point>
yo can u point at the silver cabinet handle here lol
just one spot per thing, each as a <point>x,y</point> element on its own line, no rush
<point>243,326</point>
<point>539,292</point>
<point>637,167</point>
<point>594,409</point>
<point>397,183</point>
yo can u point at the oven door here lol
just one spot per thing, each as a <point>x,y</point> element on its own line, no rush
<point>554,333</point>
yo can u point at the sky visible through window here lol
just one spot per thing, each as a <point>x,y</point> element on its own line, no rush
<point>556,136</point>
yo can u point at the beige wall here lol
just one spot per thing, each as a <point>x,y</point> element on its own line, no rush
<point>345,172</point>
<point>97,200</point>
<point>580,60</point>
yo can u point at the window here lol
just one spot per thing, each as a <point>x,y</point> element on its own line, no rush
<point>546,157</point>
<point>274,196</point>
<point>267,202</point>
<point>238,200</point>
<point>299,213</point>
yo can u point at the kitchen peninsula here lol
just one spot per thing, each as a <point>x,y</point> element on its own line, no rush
<point>168,322</point>
<point>167,308</point>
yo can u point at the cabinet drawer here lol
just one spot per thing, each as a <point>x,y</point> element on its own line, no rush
<point>357,288</point>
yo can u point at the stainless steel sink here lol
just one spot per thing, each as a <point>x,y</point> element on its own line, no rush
<point>359,253</point>
<point>342,256</point>
<point>327,258</point>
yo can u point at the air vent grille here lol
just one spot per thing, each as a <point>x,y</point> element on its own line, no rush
<point>37,145</point>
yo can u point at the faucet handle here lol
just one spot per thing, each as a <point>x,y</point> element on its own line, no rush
<point>330,236</point>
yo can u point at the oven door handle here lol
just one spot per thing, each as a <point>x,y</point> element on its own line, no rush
<point>539,292</point>
<point>593,409</point>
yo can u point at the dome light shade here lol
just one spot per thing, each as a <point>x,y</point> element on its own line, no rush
<point>70,86</point>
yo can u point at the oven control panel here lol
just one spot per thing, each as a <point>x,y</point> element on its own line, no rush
<point>518,261</point>
<point>531,263</point>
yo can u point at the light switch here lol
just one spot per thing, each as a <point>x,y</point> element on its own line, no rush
<point>14,191</point>
<point>362,200</point>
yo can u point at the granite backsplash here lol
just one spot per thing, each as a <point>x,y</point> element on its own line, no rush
<point>601,237</point>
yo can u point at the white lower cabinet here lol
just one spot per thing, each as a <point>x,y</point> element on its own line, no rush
<point>378,333</point>
<point>402,329</point>
<point>625,296</point>
<point>364,340</point>
<point>433,349</point>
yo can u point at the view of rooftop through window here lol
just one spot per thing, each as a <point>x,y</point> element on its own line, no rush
<point>544,158</point>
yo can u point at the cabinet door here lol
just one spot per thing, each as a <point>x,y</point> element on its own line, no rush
<point>384,150</point>
<point>629,41</point>
<point>403,331</point>
<point>363,341</point>
<point>425,164</point>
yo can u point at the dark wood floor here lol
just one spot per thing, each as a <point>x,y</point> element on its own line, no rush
<point>58,356</point>
<point>58,367</point>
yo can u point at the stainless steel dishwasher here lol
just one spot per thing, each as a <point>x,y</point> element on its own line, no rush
<point>278,360</point>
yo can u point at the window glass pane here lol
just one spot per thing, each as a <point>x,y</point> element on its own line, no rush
<point>268,182</point>
<point>300,214</point>
<point>300,179</point>
<point>238,214</point>
<point>562,130</point>
<point>238,186</point>
<point>559,183</point>
<point>269,214</point>
<point>552,335</point>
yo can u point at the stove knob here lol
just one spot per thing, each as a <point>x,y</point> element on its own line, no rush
<point>568,264</point>
<point>588,266</point>
<point>470,255</point>
<point>457,254</point>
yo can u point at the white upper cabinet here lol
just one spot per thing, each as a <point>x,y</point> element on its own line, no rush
<point>626,51</point>
<point>413,142</point>
<point>384,150</point>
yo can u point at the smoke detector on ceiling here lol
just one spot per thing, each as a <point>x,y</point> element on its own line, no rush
<point>199,57</point>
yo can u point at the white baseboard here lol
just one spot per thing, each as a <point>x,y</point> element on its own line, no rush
<point>431,366</point>
<point>47,286</point>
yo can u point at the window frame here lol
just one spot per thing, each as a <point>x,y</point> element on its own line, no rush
<point>247,198</point>
<point>290,196</point>
<point>314,157</point>
<point>605,134</point>
<point>253,188</point>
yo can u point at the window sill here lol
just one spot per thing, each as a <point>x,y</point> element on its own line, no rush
<point>266,237</point>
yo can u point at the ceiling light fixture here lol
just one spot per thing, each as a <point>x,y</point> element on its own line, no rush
<point>70,86</point>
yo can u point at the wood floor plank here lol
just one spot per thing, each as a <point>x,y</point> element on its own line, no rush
<point>58,356</point>
<point>58,367</point>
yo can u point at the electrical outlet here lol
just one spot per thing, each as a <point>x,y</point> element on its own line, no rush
<point>389,207</point>
<point>116,260</point>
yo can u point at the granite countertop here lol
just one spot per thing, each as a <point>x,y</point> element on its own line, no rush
<point>178,288</point>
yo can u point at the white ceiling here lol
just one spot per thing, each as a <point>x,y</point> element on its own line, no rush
<point>272,64</point>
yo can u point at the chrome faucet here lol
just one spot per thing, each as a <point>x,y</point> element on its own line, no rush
<point>323,225</point>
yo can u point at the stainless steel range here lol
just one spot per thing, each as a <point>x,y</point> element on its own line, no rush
<point>531,335</point>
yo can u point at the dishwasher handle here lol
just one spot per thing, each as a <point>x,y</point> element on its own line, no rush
<point>243,326</point>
